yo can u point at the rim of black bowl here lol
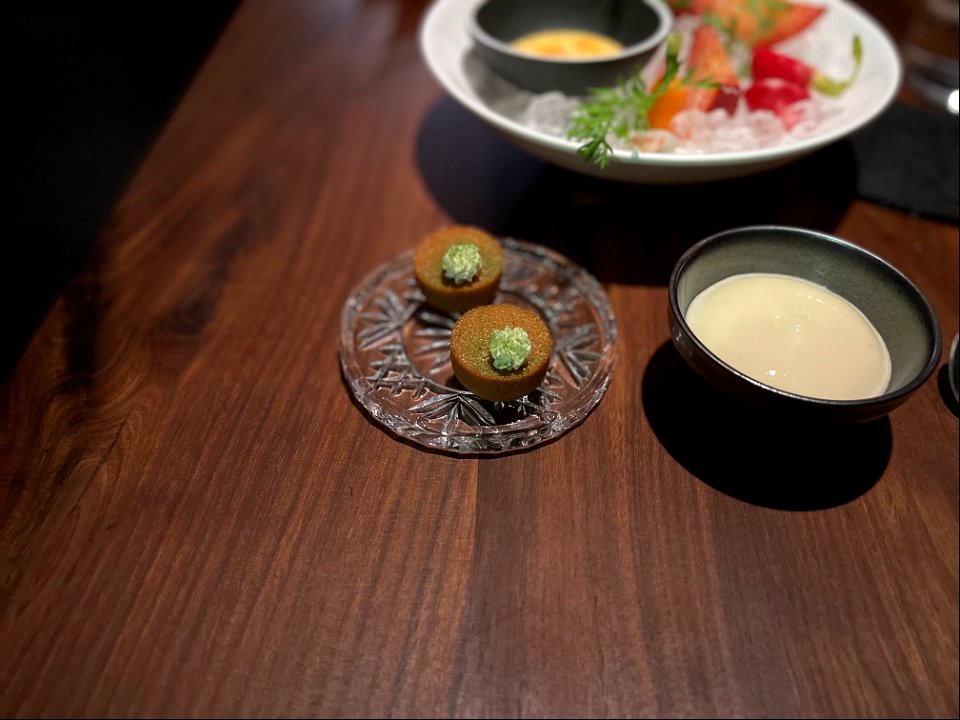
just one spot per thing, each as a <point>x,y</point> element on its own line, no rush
<point>663,11</point>
<point>887,397</point>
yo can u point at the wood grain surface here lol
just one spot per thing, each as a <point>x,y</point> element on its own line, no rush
<point>196,519</point>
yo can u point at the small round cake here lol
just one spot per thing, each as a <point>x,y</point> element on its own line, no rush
<point>458,268</point>
<point>500,352</point>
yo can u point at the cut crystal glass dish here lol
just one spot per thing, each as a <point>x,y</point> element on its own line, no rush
<point>395,356</point>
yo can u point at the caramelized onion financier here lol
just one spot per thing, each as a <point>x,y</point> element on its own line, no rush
<point>458,295</point>
<point>471,358</point>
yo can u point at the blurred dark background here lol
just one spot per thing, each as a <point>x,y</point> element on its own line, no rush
<point>89,87</point>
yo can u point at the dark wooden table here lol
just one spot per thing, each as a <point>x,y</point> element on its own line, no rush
<point>197,520</point>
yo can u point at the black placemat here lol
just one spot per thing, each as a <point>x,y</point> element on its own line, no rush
<point>907,159</point>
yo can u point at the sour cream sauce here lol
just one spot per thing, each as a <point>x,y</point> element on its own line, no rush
<point>793,335</point>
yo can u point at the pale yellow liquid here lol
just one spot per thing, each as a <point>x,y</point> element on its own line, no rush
<point>570,44</point>
<point>792,334</point>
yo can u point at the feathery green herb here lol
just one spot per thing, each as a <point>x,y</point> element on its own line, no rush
<point>621,109</point>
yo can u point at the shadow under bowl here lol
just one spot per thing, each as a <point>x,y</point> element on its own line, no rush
<point>640,26</point>
<point>889,300</point>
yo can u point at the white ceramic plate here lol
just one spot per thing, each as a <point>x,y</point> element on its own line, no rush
<point>448,52</point>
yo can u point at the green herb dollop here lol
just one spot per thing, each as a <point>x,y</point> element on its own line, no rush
<point>462,262</point>
<point>509,348</point>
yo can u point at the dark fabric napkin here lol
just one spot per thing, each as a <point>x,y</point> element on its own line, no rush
<point>908,159</point>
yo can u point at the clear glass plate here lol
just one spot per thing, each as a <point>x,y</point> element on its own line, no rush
<point>395,356</point>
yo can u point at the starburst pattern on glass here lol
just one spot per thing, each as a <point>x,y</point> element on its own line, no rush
<point>395,355</point>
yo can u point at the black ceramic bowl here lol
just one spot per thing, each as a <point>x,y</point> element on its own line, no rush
<point>639,25</point>
<point>892,303</point>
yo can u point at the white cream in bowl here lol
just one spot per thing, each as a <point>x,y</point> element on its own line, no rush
<point>792,334</point>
